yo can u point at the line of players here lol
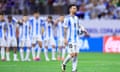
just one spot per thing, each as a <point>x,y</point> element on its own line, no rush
<point>29,32</point>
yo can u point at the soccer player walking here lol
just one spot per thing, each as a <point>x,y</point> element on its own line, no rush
<point>71,26</point>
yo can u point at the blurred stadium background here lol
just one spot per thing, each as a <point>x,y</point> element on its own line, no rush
<point>98,53</point>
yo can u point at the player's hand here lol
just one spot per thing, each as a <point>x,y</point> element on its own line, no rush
<point>86,34</point>
<point>42,29</point>
<point>20,22</point>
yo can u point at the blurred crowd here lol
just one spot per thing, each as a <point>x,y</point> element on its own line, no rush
<point>87,9</point>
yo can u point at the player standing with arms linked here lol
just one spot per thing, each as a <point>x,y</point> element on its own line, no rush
<point>11,37</point>
<point>49,38</point>
<point>60,31</point>
<point>36,22</point>
<point>72,31</point>
<point>24,38</point>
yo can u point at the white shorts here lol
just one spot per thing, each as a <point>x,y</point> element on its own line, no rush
<point>36,38</point>
<point>11,42</point>
<point>2,42</point>
<point>25,43</point>
<point>73,48</point>
<point>49,42</point>
<point>61,43</point>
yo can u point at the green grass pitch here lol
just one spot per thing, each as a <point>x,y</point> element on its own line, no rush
<point>88,62</point>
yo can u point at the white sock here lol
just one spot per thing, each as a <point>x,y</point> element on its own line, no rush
<point>15,56</point>
<point>74,63</point>
<point>46,53</point>
<point>63,52</point>
<point>21,54</point>
<point>7,55</point>
<point>27,54</point>
<point>2,53</point>
<point>59,51</point>
<point>67,59</point>
<point>53,53</point>
<point>33,52</point>
<point>38,52</point>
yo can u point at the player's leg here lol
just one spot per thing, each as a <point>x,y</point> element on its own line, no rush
<point>75,58</point>
<point>21,45</point>
<point>66,60</point>
<point>45,46</point>
<point>39,40</point>
<point>8,50</point>
<point>2,50</point>
<point>63,52</point>
<point>21,53</point>
<point>53,52</point>
<point>33,47</point>
<point>7,53</point>
<point>74,63</point>
<point>14,45</point>
<point>58,49</point>
<point>59,52</point>
<point>27,58</point>
<point>33,51</point>
<point>28,45</point>
<point>2,53</point>
<point>69,56</point>
<point>52,43</point>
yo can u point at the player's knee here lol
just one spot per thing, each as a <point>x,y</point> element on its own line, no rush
<point>63,46</point>
<point>60,47</point>
<point>29,47</point>
<point>46,47</point>
<point>72,54</point>
<point>40,44</point>
<point>33,45</point>
<point>76,54</point>
<point>53,46</point>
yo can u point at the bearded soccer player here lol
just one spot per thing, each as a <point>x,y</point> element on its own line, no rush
<point>72,30</point>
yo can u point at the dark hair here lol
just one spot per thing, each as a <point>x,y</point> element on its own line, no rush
<point>9,17</point>
<point>25,14</point>
<point>71,6</point>
<point>50,17</point>
<point>1,13</point>
<point>62,15</point>
<point>36,11</point>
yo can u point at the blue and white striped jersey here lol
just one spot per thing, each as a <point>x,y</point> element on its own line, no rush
<point>36,26</point>
<point>43,28</point>
<point>25,30</point>
<point>72,24</point>
<point>2,29</point>
<point>60,30</point>
<point>11,29</point>
<point>48,30</point>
